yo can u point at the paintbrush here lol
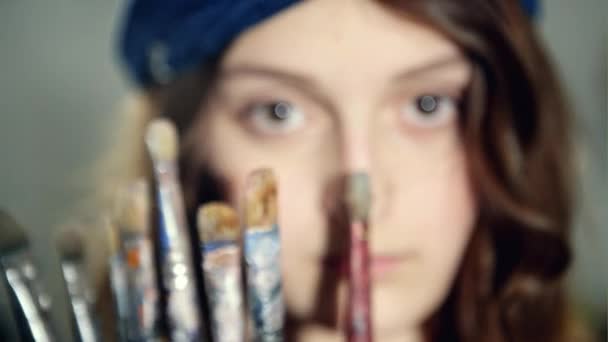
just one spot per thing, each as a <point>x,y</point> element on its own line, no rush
<point>262,256</point>
<point>30,303</point>
<point>118,280</point>
<point>137,248</point>
<point>219,231</point>
<point>358,200</point>
<point>70,247</point>
<point>177,269</point>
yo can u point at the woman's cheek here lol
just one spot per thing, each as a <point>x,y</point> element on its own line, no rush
<point>433,213</point>
<point>450,218</point>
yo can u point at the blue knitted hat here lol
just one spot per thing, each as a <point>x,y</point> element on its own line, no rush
<point>163,38</point>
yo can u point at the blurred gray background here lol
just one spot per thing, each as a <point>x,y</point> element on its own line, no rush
<point>60,90</point>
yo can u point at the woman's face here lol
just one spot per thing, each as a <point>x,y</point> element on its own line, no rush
<point>327,88</point>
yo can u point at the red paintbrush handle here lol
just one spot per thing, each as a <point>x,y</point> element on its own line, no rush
<point>359,327</point>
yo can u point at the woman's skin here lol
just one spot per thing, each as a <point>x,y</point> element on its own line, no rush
<point>327,88</point>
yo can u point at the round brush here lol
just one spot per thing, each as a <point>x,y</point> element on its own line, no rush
<point>177,268</point>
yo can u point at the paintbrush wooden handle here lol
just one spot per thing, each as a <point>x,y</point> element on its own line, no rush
<point>359,318</point>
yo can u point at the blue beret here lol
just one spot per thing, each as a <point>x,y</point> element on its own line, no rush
<point>532,7</point>
<point>163,38</point>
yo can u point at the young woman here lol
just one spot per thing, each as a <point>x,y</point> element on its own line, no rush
<point>451,107</point>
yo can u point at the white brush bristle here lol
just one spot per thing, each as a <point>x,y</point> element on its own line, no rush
<point>134,208</point>
<point>162,140</point>
<point>111,235</point>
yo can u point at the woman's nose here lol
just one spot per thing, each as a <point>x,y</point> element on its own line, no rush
<point>358,143</point>
<point>355,148</point>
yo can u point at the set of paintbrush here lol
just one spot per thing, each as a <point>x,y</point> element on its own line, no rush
<point>223,247</point>
<point>219,282</point>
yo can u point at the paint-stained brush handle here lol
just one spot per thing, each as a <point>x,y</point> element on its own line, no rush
<point>219,231</point>
<point>359,322</point>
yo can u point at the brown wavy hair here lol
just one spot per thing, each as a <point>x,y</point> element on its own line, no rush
<point>516,130</point>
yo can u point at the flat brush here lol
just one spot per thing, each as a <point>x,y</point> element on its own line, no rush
<point>70,248</point>
<point>358,199</point>
<point>30,303</point>
<point>177,269</point>
<point>219,231</point>
<point>262,255</point>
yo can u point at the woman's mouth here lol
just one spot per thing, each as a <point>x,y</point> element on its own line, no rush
<point>381,265</point>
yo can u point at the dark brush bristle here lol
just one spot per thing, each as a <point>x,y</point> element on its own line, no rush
<point>12,234</point>
<point>69,244</point>
<point>358,196</point>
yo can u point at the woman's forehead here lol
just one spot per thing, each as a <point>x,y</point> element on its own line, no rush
<point>341,38</point>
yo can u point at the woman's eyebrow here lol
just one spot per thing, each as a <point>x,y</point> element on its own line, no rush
<point>245,69</point>
<point>301,82</point>
<point>430,66</point>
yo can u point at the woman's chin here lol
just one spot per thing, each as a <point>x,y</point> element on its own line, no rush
<point>400,302</point>
<point>395,310</point>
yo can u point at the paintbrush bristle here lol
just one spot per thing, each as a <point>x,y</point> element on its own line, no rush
<point>70,243</point>
<point>162,140</point>
<point>261,199</point>
<point>111,235</point>
<point>133,213</point>
<point>358,196</point>
<point>12,235</point>
<point>218,222</point>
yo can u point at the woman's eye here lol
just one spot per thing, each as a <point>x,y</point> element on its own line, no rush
<point>429,110</point>
<point>274,117</point>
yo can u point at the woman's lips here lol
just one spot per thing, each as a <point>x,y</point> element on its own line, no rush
<point>380,264</point>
